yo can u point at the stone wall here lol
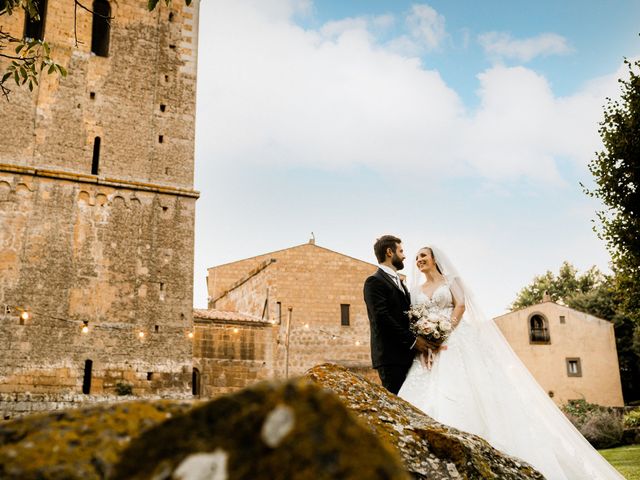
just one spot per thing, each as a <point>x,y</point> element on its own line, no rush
<point>119,98</point>
<point>108,256</point>
<point>111,250</point>
<point>231,351</point>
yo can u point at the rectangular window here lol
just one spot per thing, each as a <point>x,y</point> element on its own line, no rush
<point>574,368</point>
<point>279,311</point>
<point>344,314</point>
<point>562,319</point>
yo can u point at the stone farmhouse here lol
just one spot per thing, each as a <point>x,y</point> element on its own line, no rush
<point>96,178</point>
<point>571,354</point>
<point>293,309</point>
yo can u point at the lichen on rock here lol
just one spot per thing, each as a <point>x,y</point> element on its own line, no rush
<point>429,449</point>
<point>77,444</point>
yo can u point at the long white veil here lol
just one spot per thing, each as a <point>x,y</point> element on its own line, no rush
<point>516,414</point>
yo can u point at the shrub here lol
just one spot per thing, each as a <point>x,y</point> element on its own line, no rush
<point>601,426</point>
<point>124,389</point>
<point>632,419</point>
<point>603,429</point>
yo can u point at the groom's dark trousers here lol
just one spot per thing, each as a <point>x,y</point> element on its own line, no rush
<point>391,341</point>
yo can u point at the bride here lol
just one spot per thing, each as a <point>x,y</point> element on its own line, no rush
<point>477,384</point>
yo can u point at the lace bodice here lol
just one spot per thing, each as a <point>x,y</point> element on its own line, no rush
<point>441,301</point>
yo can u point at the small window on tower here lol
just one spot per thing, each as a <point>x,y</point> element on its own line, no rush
<point>95,164</point>
<point>344,314</point>
<point>563,319</point>
<point>101,28</point>
<point>86,380</point>
<point>34,27</point>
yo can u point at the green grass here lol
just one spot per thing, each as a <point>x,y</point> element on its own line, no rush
<point>625,459</point>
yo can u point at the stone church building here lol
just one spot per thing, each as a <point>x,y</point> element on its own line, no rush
<point>96,179</point>
<point>571,354</point>
<point>298,307</point>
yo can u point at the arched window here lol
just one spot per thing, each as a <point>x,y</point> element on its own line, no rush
<point>101,28</point>
<point>195,382</point>
<point>538,329</point>
<point>86,382</point>
<point>35,28</point>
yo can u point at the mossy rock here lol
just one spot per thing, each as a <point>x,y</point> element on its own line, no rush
<point>78,444</point>
<point>275,430</point>
<point>429,449</point>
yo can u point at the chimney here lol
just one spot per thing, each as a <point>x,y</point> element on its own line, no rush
<point>546,297</point>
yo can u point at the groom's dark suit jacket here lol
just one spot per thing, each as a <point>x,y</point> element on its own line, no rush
<point>391,340</point>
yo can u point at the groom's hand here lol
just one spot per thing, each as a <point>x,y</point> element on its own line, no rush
<point>423,345</point>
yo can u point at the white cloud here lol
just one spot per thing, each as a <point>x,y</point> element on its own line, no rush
<point>271,92</point>
<point>426,26</point>
<point>501,45</point>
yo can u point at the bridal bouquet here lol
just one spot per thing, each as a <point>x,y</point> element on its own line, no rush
<point>432,325</point>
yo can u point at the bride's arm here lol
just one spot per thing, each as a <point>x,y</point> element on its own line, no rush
<point>457,295</point>
<point>458,311</point>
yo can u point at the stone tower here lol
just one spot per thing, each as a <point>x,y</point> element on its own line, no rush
<point>97,207</point>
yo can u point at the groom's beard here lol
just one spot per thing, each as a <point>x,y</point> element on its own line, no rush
<point>396,262</point>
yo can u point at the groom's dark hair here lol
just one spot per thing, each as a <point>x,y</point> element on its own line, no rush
<point>381,245</point>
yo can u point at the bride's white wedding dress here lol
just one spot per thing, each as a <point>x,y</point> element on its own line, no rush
<point>478,385</point>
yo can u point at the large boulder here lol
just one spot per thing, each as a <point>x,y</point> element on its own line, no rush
<point>293,430</point>
<point>77,444</point>
<point>429,449</point>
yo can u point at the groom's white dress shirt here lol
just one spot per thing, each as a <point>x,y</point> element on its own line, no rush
<point>393,274</point>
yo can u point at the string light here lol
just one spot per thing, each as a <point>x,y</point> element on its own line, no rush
<point>26,314</point>
<point>235,330</point>
<point>190,334</point>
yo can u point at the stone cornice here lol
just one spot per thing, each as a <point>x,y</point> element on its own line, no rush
<point>96,180</point>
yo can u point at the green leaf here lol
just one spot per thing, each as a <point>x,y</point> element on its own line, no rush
<point>5,76</point>
<point>31,86</point>
<point>62,70</point>
<point>23,72</point>
<point>19,47</point>
<point>47,49</point>
<point>16,77</point>
<point>52,68</point>
<point>152,4</point>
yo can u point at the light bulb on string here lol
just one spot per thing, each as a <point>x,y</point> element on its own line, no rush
<point>85,327</point>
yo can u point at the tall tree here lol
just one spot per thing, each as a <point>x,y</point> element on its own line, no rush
<point>559,288</point>
<point>616,171</point>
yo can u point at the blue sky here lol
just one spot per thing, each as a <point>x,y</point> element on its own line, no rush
<point>465,124</point>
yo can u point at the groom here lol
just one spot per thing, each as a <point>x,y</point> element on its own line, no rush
<point>393,346</point>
